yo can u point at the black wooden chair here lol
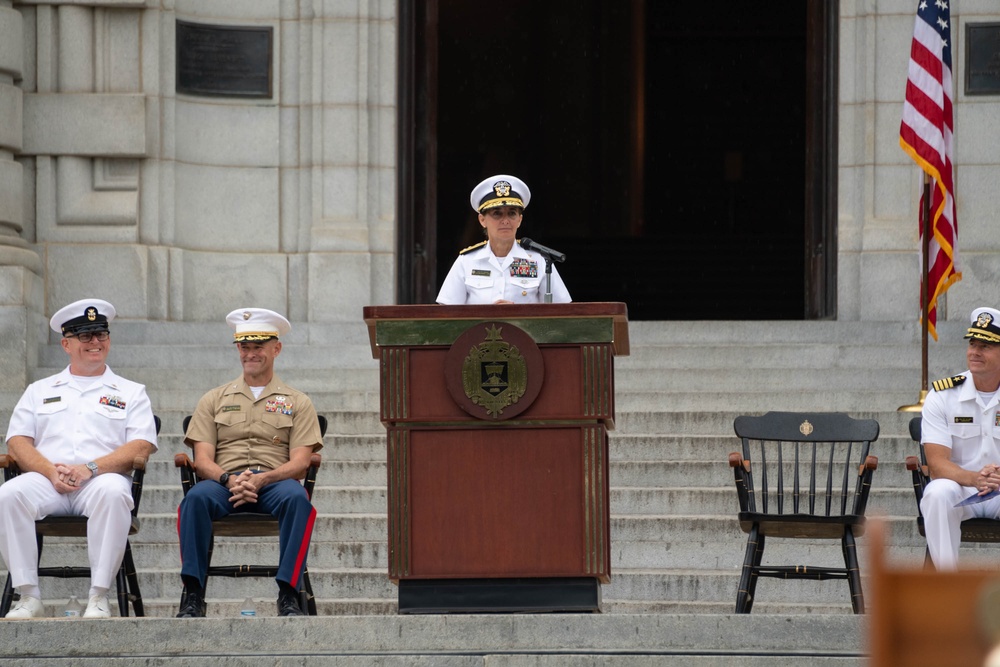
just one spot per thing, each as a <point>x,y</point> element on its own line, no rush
<point>252,524</point>
<point>802,475</point>
<point>58,525</point>
<point>973,530</point>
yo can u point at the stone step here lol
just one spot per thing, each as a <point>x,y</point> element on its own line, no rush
<point>891,475</point>
<point>637,541</point>
<point>668,418</point>
<point>742,358</point>
<point>678,586</point>
<point>467,640</point>
<point>745,400</point>
<point>648,543</point>
<point>634,500</point>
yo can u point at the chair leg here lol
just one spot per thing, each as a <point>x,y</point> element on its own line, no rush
<point>122,586</point>
<point>132,578</point>
<point>853,571</point>
<point>758,555</point>
<point>8,597</point>
<point>306,599</point>
<point>747,576</point>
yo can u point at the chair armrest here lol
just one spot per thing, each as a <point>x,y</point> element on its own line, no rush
<point>736,461</point>
<point>188,475</point>
<point>309,482</point>
<point>921,477</point>
<point>9,466</point>
<point>871,463</point>
<point>139,463</point>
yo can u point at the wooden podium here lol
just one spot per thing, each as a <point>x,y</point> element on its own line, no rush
<point>497,452</point>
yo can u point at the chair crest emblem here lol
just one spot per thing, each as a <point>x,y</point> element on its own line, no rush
<point>805,428</point>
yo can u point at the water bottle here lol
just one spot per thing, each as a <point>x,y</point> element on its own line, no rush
<point>247,609</point>
<point>73,608</point>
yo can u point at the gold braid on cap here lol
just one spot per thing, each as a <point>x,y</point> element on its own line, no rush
<point>983,335</point>
<point>504,201</point>
<point>254,335</point>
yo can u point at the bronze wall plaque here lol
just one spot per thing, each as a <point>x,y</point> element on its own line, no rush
<point>229,61</point>
<point>982,58</point>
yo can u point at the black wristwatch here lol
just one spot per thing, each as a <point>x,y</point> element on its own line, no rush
<point>224,478</point>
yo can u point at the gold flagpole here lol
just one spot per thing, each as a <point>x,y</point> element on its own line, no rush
<point>924,298</point>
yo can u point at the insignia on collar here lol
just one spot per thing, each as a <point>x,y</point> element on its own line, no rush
<point>948,383</point>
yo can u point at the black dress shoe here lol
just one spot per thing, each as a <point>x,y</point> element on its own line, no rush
<point>192,605</point>
<point>288,605</point>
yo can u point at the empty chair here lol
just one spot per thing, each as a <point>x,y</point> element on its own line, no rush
<point>802,475</point>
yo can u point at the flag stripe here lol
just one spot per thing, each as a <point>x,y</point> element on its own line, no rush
<point>926,135</point>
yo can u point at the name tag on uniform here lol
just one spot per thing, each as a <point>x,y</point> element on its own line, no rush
<point>51,399</point>
<point>481,272</point>
<point>964,420</point>
<point>230,408</point>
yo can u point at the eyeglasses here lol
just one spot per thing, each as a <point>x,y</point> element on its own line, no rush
<point>88,336</point>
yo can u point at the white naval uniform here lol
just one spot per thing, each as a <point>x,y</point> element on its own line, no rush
<point>959,419</point>
<point>71,426</point>
<point>478,277</point>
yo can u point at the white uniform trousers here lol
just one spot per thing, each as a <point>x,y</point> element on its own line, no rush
<point>943,521</point>
<point>105,499</point>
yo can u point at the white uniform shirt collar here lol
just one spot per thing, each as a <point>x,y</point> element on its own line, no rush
<point>108,378</point>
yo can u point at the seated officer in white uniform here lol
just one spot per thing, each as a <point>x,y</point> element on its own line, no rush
<point>960,430</point>
<point>74,436</point>
<point>499,270</point>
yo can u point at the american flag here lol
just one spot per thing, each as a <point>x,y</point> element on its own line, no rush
<point>926,135</point>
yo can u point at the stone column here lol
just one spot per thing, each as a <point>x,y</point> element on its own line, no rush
<point>20,267</point>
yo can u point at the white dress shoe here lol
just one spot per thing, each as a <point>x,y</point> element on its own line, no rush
<point>27,607</point>
<point>98,607</point>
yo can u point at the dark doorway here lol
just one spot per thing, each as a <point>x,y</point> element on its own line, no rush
<point>684,161</point>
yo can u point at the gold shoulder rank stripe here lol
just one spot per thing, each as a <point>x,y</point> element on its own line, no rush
<point>473,247</point>
<point>948,383</point>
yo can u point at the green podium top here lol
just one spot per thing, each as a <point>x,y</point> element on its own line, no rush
<point>552,323</point>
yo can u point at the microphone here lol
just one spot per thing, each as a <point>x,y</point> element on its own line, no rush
<point>554,255</point>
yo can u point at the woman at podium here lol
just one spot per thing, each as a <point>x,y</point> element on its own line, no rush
<point>499,269</point>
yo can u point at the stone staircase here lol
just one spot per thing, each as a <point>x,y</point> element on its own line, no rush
<point>676,545</point>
